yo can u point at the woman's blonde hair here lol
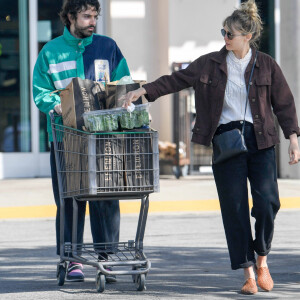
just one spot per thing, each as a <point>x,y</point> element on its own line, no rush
<point>246,20</point>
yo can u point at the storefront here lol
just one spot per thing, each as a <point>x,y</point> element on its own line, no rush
<point>25,27</point>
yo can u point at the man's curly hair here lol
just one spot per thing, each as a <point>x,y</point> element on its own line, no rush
<point>73,7</point>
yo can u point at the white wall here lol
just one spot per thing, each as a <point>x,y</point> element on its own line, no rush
<point>156,33</point>
<point>290,64</point>
<point>195,27</point>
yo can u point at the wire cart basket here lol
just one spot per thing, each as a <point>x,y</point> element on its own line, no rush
<point>105,166</point>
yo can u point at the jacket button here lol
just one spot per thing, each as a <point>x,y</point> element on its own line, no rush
<point>209,82</point>
<point>260,133</point>
<point>256,116</point>
<point>250,83</point>
<point>253,99</point>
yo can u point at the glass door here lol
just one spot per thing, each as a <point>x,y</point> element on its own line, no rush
<point>24,150</point>
<point>49,27</point>
<point>14,83</point>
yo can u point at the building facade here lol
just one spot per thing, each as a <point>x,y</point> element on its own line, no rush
<point>152,34</point>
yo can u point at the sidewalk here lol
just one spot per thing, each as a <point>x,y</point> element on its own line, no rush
<point>32,198</point>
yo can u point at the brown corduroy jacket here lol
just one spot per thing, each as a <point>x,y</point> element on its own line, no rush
<point>269,93</point>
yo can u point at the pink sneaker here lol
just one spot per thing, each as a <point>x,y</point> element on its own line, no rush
<point>75,272</point>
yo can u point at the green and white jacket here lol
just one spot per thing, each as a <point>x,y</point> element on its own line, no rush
<point>66,57</point>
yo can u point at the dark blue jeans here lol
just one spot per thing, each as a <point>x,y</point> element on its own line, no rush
<point>104,215</point>
<point>259,167</point>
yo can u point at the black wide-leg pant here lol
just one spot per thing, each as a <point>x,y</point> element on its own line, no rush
<point>259,167</point>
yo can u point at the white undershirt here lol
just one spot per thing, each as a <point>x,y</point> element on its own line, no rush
<point>236,90</point>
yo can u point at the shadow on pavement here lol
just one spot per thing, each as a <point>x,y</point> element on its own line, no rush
<point>176,272</point>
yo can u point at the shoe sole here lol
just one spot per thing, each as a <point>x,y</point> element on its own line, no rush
<point>74,280</point>
<point>248,293</point>
<point>110,280</point>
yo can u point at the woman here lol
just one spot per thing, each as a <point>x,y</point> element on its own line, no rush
<point>220,80</point>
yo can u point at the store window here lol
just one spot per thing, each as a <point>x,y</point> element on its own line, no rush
<point>14,79</point>
<point>49,27</point>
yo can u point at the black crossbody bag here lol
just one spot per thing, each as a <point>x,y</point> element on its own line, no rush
<point>231,143</point>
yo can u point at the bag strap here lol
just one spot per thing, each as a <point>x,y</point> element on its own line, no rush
<point>243,128</point>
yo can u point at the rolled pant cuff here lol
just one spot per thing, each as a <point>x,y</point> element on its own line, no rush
<point>265,253</point>
<point>244,265</point>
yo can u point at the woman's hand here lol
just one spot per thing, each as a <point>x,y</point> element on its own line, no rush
<point>132,96</point>
<point>294,152</point>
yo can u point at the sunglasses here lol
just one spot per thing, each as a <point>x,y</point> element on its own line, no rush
<point>230,36</point>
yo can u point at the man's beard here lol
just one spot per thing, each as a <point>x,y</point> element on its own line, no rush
<point>82,32</point>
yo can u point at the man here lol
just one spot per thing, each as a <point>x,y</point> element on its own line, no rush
<point>78,53</point>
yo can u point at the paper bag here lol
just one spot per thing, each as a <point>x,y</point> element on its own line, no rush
<point>113,91</point>
<point>81,95</point>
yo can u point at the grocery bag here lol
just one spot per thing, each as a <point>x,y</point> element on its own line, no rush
<point>114,91</point>
<point>81,95</point>
<point>72,156</point>
<point>139,162</point>
<point>109,162</point>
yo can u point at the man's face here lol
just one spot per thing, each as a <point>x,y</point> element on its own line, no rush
<point>85,23</point>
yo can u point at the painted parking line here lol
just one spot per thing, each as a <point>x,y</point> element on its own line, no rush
<point>129,207</point>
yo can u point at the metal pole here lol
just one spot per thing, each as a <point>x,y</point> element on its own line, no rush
<point>103,23</point>
<point>33,54</point>
<point>24,82</point>
<point>277,30</point>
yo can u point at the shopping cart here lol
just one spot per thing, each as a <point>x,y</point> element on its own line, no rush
<point>99,167</point>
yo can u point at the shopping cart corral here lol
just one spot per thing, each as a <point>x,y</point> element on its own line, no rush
<point>99,167</point>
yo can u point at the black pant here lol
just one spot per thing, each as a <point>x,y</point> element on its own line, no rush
<point>104,215</point>
<point>259,166</point>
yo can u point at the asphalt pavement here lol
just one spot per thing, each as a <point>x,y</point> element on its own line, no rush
<point>187,248</point>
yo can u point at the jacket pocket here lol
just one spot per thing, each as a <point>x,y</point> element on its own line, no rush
<point>208,80</point>
<point>260,81</point>
<point>263,84</point>
<point>272,131</point>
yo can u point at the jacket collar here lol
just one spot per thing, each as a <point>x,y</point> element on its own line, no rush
<point>73,41</point>
<point>220,58</point>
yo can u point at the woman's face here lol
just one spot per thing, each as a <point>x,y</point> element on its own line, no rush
<point>236,41</point>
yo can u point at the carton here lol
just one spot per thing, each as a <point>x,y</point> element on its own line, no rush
<point>117,118</point>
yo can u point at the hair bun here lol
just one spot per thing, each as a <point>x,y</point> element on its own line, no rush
<point>250,8</point>
<point>246,20</point>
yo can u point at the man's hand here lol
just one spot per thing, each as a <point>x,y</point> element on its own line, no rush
<point>294,152</point>
<point>57,108</point>
<point>132,96</point>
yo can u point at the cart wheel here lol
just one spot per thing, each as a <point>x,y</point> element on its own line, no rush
<point>100,282</point>
<point>134,276</point>
<point>140,282</point>
<point>61,274</point>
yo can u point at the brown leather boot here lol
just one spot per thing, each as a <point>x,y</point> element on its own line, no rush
<point>264,279</point>
<point>249,287</point>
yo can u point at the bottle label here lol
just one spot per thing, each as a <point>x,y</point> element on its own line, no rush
<point>102,70</point>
